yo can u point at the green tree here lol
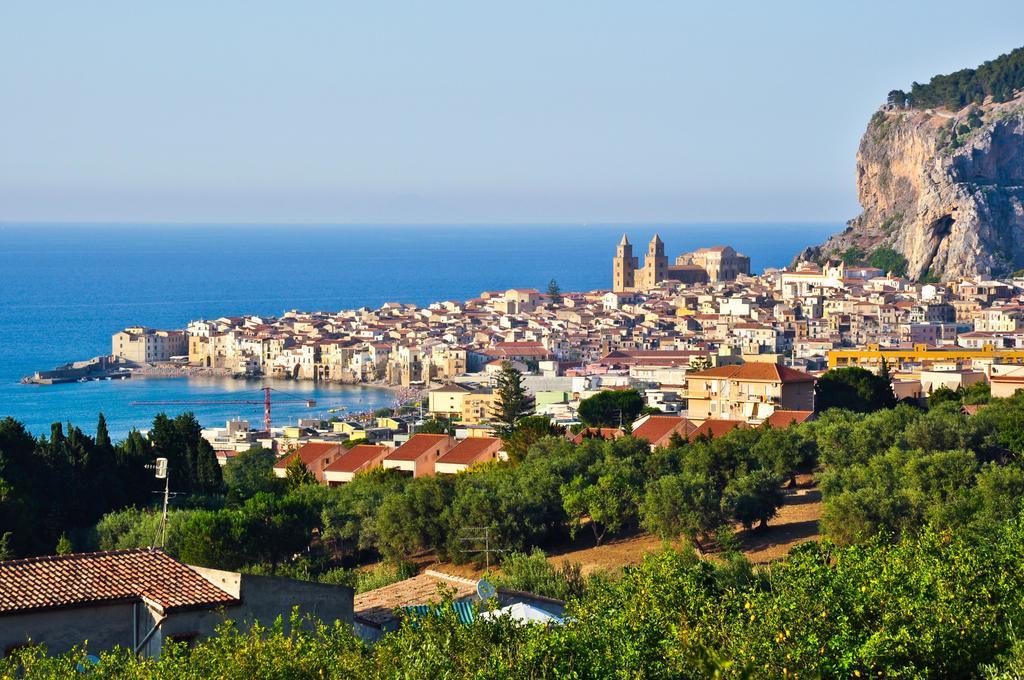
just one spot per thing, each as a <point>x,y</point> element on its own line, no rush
<point>6,551</point>
<point>191,459</point>
<point>554,292</point>
<point>514,403</point>
<point>533,573</point>
<point>611,408</point>
<point>64,546</point>
<point>529,431</point>
<point>413,521</point>
<point>251,472</point>
<point>783,451</point>
<point>437,426</point>
<point>272,528</point>
<point>213,538</point>
<point>888,260</point>
<point>102,435</point>
<point>855,389</point>
<point>754,497</point>
<point>682,505</point>
<point>852,256</point>
<point>609,502</point>
<point>297,474</point>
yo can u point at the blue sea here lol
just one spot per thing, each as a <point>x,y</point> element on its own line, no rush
<point>65,288</point>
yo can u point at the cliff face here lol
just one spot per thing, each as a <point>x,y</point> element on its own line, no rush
<point>944,189</point>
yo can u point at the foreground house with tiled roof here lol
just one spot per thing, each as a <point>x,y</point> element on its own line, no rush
<point>658,430</point>
<point>357,459</point>
<point>749,392</point>
<point>418,454</point>
<point>715,427</point>
<point>316,456</point>
<point>136,599</point>
<point>466,453</point>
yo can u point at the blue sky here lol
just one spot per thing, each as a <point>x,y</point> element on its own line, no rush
<point>471,111</point>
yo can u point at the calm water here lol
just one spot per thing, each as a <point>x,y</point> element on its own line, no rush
<point>64,289</point>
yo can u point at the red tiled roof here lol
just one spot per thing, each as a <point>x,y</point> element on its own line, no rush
<point>716,428</point>
<point>469,450</point>
<point>758,371</point>
<point>309,452</point>
<point>416,446</point>
<point>355,458</point>
<point>781,418</point>
<point>102,577</point>
<point>656,428</point>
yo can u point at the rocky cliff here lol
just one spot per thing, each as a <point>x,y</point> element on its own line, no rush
<point>945,189</point>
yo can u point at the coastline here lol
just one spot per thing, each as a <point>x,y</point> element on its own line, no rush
<point>107,368</point>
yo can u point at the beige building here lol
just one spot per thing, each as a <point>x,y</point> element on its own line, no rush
<point>1006,381</point>
<point>721,263</point>
<point>142,345</point>
<point>748,392</point>
<point>479,406</point>
<point>447,401</point>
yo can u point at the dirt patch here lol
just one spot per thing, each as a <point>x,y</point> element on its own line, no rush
<point>797,522</point>
<point>610,555</point>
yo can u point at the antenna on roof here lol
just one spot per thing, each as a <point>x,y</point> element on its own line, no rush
<point>486,538</point>
<point>161,472</point>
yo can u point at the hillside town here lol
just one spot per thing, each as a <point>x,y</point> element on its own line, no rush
<point>705,342</point>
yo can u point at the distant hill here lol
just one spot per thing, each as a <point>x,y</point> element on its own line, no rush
<point>941,178</point>
<point>998,79</point>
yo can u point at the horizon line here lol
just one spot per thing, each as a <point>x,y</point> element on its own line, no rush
<point>479,223</point>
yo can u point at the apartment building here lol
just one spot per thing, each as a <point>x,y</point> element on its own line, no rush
<point>749,392</point>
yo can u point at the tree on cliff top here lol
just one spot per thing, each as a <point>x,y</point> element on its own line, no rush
<point>998,79</point>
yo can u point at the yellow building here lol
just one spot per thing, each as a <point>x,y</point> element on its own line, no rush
<point>447,401</point>
<point>871,357</point>
<point>457,402</point>
<point>479,407</point>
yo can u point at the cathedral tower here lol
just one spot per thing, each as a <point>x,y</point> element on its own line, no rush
<point>624,267</point>
<point>655,267</point>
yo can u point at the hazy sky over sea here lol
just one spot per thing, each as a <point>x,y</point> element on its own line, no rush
<point>459,111</point>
